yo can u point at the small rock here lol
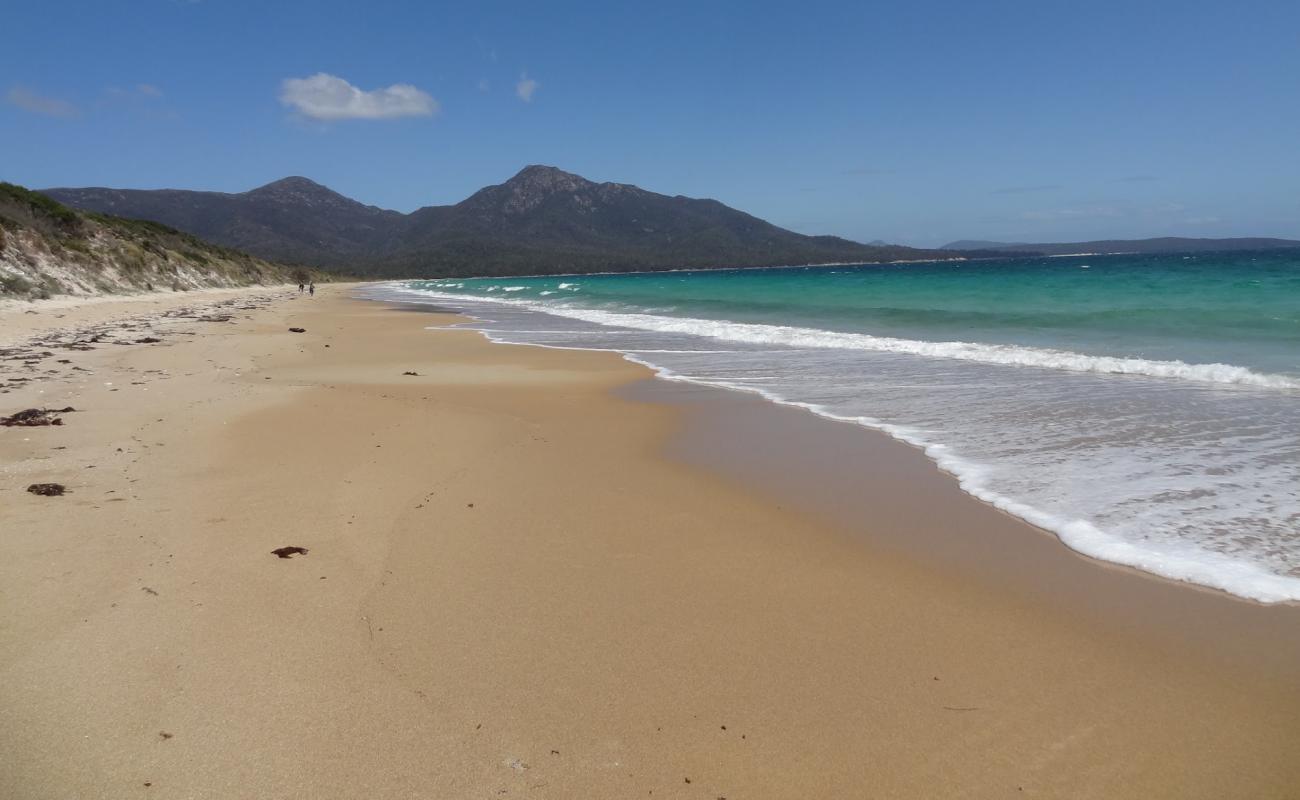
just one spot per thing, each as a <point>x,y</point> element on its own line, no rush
<point>289,552</point>
<point>297,330</point>
<point>47,489</point>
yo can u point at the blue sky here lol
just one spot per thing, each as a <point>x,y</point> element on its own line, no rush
<point>917,122</point>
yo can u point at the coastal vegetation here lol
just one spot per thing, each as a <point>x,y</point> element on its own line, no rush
<point>47,248</point>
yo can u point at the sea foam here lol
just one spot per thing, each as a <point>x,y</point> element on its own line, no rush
<point>1007,355</point>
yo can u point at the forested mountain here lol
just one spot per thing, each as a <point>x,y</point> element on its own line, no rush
<point>543,220</point>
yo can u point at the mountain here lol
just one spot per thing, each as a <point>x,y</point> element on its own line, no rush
<point>543,220</point>
<point>293,219</point>
<point>1167,244</point>
<point>47,248</point>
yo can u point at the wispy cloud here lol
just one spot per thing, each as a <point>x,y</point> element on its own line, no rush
<point>327,97</point>
<point>526,87</point>
<point>1202,220</point>
<point>1044,187</point>
<point>141,91</point>
<point>1090,212</point>
<point>28,100</point>
<point>484,85</point>
<point>868,171</point>
<point>1164,207</point>
<point>1136,179</point>
<point>486,50</point>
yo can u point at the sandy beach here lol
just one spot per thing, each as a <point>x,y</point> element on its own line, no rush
<point>541,573</point>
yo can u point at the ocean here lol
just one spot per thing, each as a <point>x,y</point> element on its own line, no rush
<point>1144,409</point>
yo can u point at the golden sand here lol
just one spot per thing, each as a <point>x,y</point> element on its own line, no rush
<point>510,590</point>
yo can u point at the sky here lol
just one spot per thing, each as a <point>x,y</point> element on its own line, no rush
<point>912,122</point>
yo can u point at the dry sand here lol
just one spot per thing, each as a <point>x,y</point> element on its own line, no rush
<point>512,590</point>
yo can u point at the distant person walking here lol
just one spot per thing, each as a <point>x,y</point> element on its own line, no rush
<point>300,287</point>
<point>312,288</point>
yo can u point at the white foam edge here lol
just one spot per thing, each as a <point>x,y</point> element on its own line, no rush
<point>996,354</point>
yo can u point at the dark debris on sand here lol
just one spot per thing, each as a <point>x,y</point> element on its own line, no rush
<point>149,328</point>
<point>289,552</point>
<point>35,417</point>
<point>47,489</point>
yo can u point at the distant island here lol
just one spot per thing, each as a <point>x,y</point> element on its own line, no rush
<point>1164,244</point>
<point>543,220</point>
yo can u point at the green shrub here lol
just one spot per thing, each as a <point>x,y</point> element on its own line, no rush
<point>39,204</point>
<point>15,285</point>
<point>196,257</point>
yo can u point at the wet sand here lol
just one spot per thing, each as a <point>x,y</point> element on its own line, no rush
<point>892,497</point>
<point>523,578</point>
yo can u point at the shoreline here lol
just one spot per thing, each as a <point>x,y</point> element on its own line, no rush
<point>517,583</point>
<point>718,436</point>
<point>843,474</point>
<point>1204,569</point>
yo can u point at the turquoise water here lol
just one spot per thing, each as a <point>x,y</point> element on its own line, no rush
<point>1144,408</point>
<point>1239,309</point>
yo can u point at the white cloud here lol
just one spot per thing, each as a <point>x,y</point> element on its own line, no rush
<point>526,87</point>
<point>28,100</point>
<point>484,85</point>
<point>326,97</point>
<point>148,90</point>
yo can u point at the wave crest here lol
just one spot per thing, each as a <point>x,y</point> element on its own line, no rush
<point>1000,354</point>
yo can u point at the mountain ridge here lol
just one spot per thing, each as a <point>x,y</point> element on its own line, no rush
<point>541,220</point>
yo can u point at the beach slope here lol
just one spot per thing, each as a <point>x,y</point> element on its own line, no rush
<point>508,589</point>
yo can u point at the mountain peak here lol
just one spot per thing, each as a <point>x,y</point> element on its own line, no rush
<point>544,172</point>
<point>294,184</point>
<point>529,188</point>
<point>296,191</point>
<point>543,178</point>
